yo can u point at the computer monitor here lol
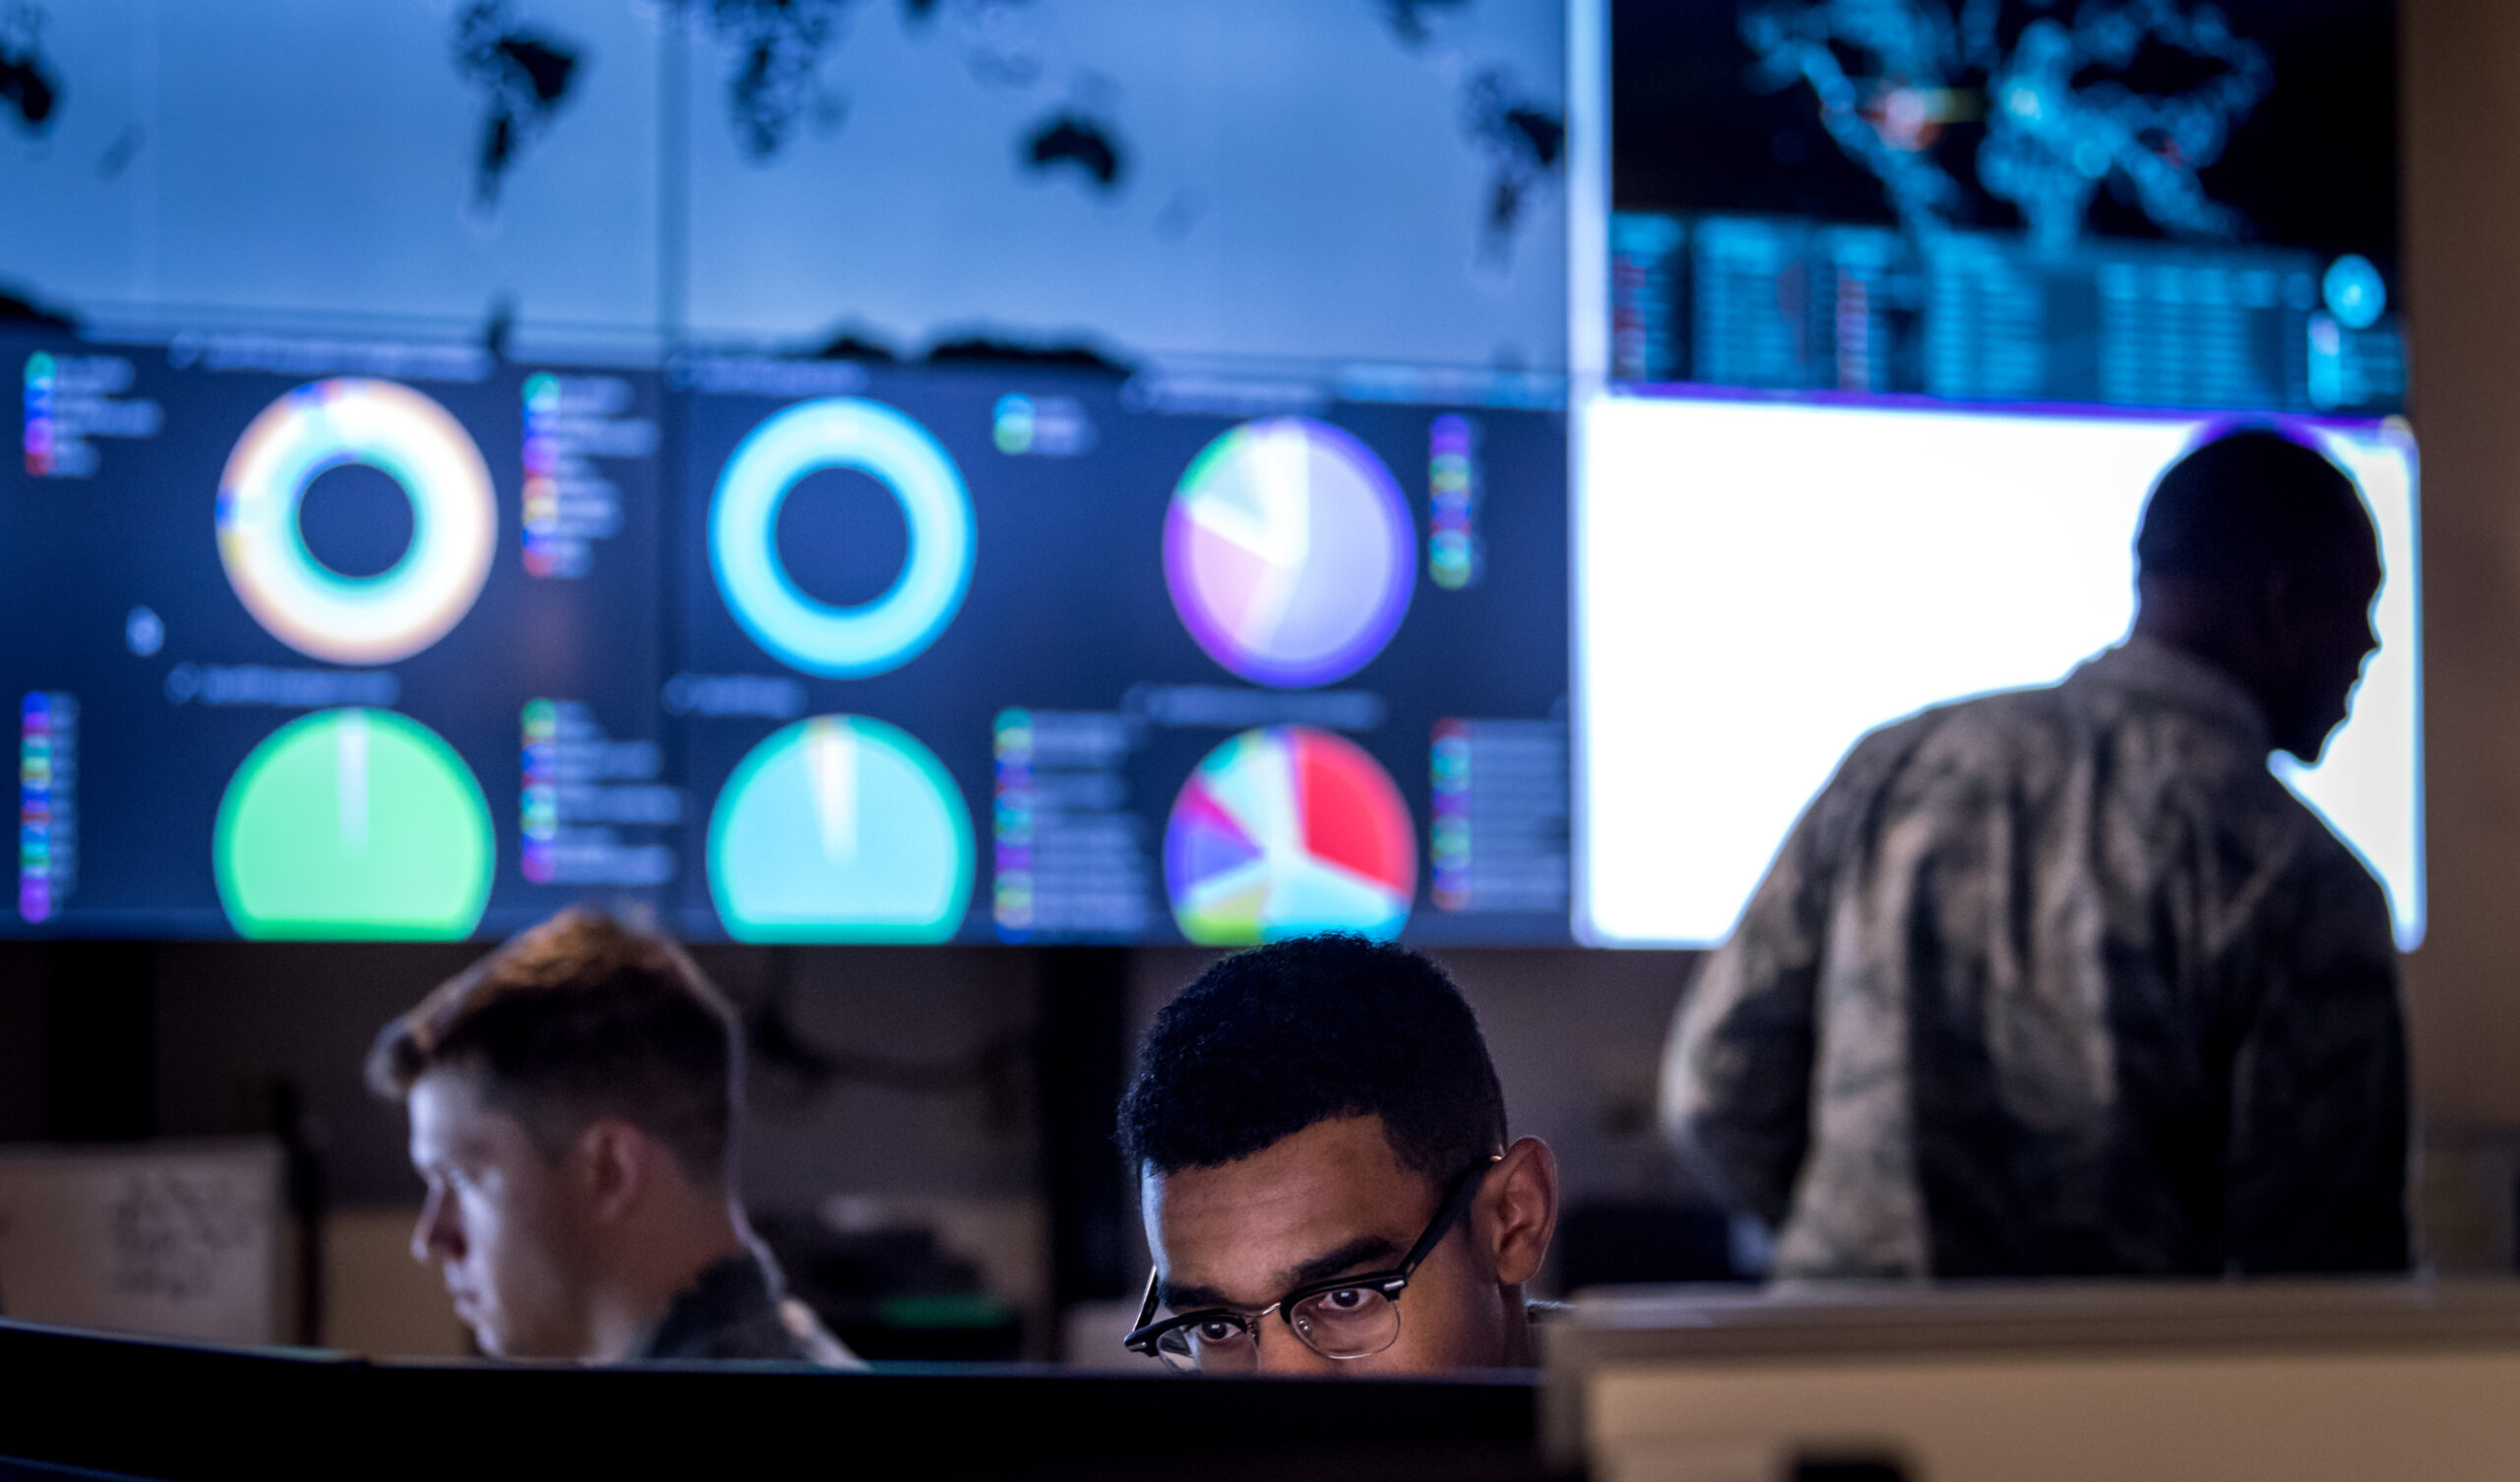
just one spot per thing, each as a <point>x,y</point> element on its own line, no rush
<point>1887,320</point>
<point>1809,571</point>
<point>362,641</point>
<point>1040,655</point>
<point>328,639</point>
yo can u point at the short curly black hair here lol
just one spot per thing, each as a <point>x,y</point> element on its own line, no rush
<point>2247,502</point>
<point>1270,1041</point>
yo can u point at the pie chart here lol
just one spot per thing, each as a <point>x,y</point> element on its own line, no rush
<point>1287,831</point>
<point>353,824</point>
<point>839,829</point>
<point>1290,552</point>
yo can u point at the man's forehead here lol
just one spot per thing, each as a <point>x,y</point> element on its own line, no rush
<point>449,1113</point>
<point>1247,1229</point>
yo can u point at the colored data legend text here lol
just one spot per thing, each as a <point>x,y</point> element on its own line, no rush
<point>71,399</point>
<point>1012,891</point>
<point>1041,427</point>
<point>1071,860</point>
<point>1451,851</point>
<point>571,422</point>
<point>593,808</point>
<point>539,827</point>
<point>1502,835</point>
<point>42,430</point>
<point>1453,555</point>
<point>542,548</point>
<point>47,804</point>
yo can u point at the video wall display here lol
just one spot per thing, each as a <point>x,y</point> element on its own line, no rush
<point>343,640</point>
<point>1859,564</point>
<point>289,624</point>
<point>971,656</point>
<point>1178,179</point>
<point>2136,202</point>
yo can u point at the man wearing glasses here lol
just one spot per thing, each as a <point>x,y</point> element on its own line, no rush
<point>1325,1175</point>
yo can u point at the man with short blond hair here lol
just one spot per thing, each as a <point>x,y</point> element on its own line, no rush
<point>573,1105</point>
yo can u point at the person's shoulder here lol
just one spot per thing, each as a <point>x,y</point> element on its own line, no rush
<point>815,1343</point>
<point>2334,874</point>
<point>1996,729</point>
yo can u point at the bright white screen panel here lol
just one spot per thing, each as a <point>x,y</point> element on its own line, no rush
<point>1760,582</point>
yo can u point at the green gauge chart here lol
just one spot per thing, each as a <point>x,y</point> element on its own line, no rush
<point>841,829</point>
<point>354,825</point>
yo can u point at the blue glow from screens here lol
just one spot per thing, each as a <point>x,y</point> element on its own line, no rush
<point>2354,293</point>
<point>842,432</point>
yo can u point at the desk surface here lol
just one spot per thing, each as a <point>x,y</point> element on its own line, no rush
<point>2308,1380</point>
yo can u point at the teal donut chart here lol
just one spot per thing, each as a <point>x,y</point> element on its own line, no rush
<point>816,637</point>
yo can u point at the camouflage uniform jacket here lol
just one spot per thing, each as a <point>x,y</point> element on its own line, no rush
<point>2057,983</point>
<point>738,1309</point>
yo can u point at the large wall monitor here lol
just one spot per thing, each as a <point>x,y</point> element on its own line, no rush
<point>1042,656</point>
<point>1837,567</point>
<point>297,632</point>
<point>345,640</point>
<point>1306,179</point>
<point>1901,309</point>
<point>2142,203</point>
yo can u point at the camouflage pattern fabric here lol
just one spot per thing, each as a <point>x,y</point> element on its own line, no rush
<point>739,1310</point>
<point>2057,983</point>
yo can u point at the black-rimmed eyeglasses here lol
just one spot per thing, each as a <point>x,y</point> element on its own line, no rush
<point>1342,1317</point>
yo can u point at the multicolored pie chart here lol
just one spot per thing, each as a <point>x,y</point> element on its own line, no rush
<point>1287,831</point>
<point>307,606</point>
<point>1290,552</point>
<point>353,824</point>
<point>839,829</point>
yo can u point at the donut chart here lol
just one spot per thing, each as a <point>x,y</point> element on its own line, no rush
<point>839,829</point>
<point>1287,831</point>
<point>1290,552</point>
<point>353,824</point>
<point>307,606</point>
<point>816,637</point>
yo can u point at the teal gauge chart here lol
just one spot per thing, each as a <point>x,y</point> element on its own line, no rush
<point>841,829</point>
<point>799,630</point>
<point>354,825</point>
<point>304,603</point>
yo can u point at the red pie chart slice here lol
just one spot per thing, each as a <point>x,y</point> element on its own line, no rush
<point>1287,831</point>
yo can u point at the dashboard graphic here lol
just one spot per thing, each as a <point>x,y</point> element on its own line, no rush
<point>281,605</point>
<point>819,637</point>
<point>2126,202</point>
<point>1857,588</point>
<point>306,604</point>
<point>784,651</point>
<point>1285,831</point>
<point>353,823</point>
<point>841,829</point>
<point>1290,552</point>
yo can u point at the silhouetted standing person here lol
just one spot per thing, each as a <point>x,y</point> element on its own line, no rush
<point>2064,981</point>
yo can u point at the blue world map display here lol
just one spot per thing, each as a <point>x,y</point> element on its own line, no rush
<point>2163,203</point>
<point>1312,180</point>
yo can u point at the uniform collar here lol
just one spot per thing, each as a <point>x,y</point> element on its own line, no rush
<point>2163,674</point>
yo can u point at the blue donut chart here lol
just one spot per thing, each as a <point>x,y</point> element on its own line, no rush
<point>816,637</point>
